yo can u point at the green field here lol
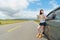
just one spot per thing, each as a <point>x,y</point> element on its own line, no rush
<point>10,21</point>
<point>36,21</point>
<point>14,21</point>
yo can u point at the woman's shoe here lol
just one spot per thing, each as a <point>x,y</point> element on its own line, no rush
<point>40,36</point>
<point>37,35</point>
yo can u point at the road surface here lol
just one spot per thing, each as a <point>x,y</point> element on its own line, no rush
<point>19,31</point>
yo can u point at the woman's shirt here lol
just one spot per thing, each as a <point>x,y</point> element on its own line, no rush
<point>42,18</point>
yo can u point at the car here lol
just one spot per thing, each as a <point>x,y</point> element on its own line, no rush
<point>52,31</point>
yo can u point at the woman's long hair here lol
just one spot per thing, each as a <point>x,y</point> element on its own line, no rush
<point>41,12</point>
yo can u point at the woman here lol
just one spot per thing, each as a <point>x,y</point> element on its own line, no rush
<point>42,24</point>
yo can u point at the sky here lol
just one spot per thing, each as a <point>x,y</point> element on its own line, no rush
<point>25,9</point>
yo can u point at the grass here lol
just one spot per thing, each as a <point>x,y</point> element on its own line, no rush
<point>10,21</point>
<point>36,21</point>
<point>2,22</point>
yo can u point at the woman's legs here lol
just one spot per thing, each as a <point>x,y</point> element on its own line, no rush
<point>38,28</point>
<point>42,29</point>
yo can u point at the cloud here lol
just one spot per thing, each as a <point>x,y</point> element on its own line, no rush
<point>33,0</point>
<point>3,16</point>
<point>11,9</point>
<point>27,14</point>
<point>54,4</point>
<point>15,9</point>
<point>14,4</point>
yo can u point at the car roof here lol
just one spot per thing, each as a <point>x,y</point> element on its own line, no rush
<point>53,11</point>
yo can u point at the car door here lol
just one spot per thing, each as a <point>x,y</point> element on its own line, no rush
<point>53,29</point>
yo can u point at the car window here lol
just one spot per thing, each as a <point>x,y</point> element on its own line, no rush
<point>52,16</point>
<point>57,15</point>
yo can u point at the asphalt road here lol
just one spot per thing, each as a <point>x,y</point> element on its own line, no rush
<point>19,31</point>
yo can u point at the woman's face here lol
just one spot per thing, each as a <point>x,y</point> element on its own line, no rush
<point>42,11</point>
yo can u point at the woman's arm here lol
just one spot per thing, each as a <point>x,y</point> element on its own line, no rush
<point>45,17</point>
